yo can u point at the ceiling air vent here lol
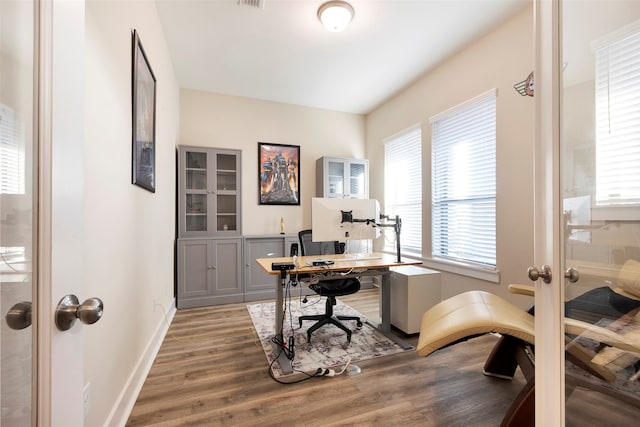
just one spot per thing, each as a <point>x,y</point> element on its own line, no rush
<point>259,4</point>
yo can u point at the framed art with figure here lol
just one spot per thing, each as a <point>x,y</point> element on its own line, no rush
<point>278,174</point>
<point>143,119</point>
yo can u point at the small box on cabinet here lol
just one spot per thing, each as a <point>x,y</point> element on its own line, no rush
<point>414,290</point>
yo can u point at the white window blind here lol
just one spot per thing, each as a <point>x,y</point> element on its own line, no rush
<point>618,120</point>
<point>464,182</point>
<point>403,187</point>
<point>12,163</point>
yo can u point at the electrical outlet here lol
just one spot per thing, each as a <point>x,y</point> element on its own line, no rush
<point>85,399</point>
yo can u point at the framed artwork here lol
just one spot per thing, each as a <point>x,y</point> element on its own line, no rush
<point>143,119</point>
<point>278,174</point>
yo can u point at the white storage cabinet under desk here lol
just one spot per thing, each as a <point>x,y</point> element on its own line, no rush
<point>414,290</point>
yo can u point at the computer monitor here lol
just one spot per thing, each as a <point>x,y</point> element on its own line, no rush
<point>335,219</point>
<point>577,215</point>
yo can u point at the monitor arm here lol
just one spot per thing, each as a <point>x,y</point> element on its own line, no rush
<point>347,216</point>
<point>397,225</point>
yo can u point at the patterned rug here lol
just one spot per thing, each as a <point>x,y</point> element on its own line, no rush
<point>329,347</point>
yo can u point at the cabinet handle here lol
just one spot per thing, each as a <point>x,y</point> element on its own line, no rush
<point>211,267</point>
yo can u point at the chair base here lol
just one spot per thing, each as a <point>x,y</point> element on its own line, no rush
<point>329,318</point>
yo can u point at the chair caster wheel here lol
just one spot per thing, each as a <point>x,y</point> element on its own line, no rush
<point>359,324</point>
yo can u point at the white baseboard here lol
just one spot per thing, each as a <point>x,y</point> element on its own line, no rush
<point>127,398</point>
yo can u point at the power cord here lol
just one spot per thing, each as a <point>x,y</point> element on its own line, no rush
<point>287,346</point>
<point>331,373</point>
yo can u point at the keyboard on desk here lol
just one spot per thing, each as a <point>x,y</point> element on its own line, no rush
<point>363,257</point>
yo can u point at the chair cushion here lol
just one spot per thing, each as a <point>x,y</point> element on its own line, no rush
<point>599,303</point>
<point>336,288</point>
<point>471,314</point>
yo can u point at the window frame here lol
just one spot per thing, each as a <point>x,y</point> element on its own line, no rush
<point>404,138</point>
<point>606,208</point>
<point>461,265</point>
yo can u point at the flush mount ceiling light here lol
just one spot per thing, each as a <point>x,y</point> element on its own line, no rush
<point>335,15</point>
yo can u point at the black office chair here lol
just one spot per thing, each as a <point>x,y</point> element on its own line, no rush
<point>329,288</point>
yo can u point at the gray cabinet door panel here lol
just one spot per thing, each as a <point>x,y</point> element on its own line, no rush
<point>209,272</point>
<point>226,271</point>
<point>257,281</point>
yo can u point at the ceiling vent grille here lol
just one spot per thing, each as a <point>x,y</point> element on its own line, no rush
<point>259,4</point>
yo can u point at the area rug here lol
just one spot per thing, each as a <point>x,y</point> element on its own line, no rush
<point>329,347</point>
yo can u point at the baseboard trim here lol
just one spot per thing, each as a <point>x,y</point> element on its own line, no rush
<point>127,398</point>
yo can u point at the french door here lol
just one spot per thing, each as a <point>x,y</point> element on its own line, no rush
<point>41,104</point>
<point>587,201</point>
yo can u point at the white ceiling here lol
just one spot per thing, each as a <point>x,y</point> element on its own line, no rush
<point>282,53</point>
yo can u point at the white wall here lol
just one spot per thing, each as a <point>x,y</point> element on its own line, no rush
<point>499,60</point>
<point>213,120</point>
<point>129,232</point>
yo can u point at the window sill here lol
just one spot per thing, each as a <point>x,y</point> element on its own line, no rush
<point>477,272</point>
<point>615,213</point>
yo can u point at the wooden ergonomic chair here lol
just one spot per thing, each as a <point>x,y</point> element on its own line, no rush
<point>588,346</point>
<point>327,288</point>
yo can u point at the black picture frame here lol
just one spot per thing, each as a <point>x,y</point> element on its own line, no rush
<point>278,174</point>
<point>143,88</point>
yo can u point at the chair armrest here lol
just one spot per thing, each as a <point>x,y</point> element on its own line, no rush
<point>597,333</point>
<point>522,290</point>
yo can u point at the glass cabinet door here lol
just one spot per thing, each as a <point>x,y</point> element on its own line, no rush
<point>342,177</point>
<point>209,180</point>
<point>226,192</point>
<point>196,191</point>
<point>335,178</point>
<point>357,180</point>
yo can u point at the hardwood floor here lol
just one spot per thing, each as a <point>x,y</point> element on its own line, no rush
<point>211,371</point>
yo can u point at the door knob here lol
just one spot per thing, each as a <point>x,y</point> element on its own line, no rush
<point>534,274</point>
<point>69,309</point>
<point>19,316</point>
<point>572,275</point>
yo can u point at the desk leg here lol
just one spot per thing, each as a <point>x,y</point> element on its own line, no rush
<point>285,363</point>
<point>385,312</point>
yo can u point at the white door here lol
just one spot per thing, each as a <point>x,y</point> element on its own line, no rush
<point>41,92</point>
<point>587,208</point>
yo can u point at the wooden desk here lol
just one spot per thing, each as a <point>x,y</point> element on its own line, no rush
<point>376,264</point>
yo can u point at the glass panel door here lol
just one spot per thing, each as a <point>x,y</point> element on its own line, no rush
<point>16,211</point>
<point>600,150</point>
<point>226,192</point>
<point>357,180</point>
<point>336,178</point>
<point>196,191</point>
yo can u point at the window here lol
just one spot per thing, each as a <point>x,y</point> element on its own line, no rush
<point>464,182</point>
<point>403,187</point>
<point>12,173</point>
<point>618,119</point>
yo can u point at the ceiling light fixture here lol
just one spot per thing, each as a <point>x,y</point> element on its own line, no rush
<point>335,15</point>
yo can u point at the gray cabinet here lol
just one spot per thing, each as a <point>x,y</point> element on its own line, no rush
<point>342,177</point>
<point>209,259</point>
<point>209,272</point>
<point>258,284</point>
<point>208,192</point>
